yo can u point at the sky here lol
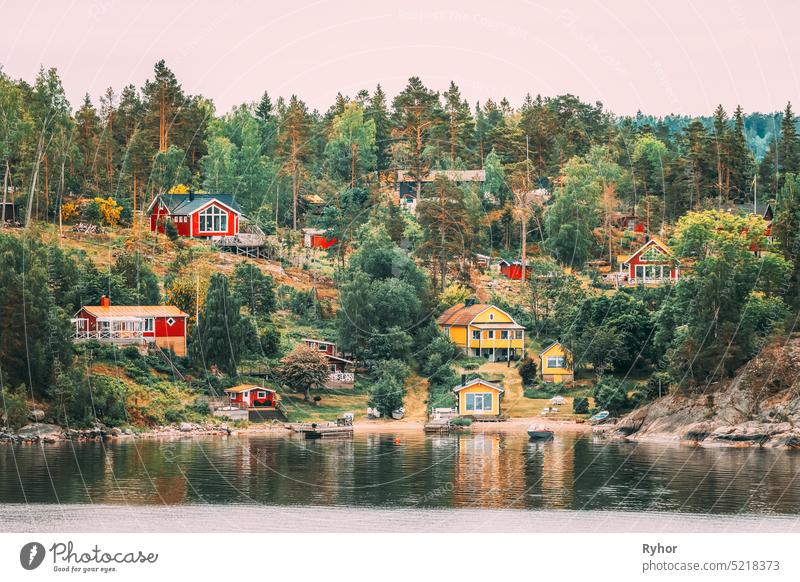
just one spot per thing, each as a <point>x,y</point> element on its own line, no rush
<point>657,57</point>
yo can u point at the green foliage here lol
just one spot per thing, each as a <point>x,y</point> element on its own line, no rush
<point>389,391</point>
<point>527,370</point>
<point>461,421</point>
<point>610,394</point>
<point>14,408</point>
<point>580,405</point>
<point>303,369</point>
<point>222,332</point>
<point>171,230</point>
<point>254,290</point>
<point>96,396</point>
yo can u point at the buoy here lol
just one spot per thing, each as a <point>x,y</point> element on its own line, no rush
<point>397,440</point>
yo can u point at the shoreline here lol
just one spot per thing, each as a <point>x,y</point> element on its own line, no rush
<point>50,434</point>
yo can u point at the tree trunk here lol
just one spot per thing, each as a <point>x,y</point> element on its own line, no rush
<point>5,194</point>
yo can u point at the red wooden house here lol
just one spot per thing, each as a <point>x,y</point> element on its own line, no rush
<point>162,325</point>
<point>338,365</point>
<point>513,269</point>
<point>317,238</point>
<point>196,215</point>
<point>260,402</point>
<point>653,263</point>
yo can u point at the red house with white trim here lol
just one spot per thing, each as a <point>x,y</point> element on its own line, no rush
<point>162,325</point>
<point>338,365</point>
<point>652,264</point>
<point>196,215</point>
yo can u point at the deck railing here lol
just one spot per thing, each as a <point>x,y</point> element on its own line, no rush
<point>113,336</point>
<point>342,377</point>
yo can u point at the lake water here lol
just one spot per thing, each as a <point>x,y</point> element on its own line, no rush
<point>409,471</point>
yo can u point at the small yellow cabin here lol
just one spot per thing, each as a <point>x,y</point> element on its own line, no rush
<point>483,330</point>
<point>478,398</point>
<point>555,363</point>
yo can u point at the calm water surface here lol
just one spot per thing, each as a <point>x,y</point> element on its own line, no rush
<point>485,471</point>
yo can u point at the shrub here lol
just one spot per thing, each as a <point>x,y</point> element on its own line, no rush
<point>171,230</point>
<point>461,421</point>
<point>389,392</point>
<point>580,405</point>
<point>527,370</point>
<point>610,394</point>
<point>14,411</point>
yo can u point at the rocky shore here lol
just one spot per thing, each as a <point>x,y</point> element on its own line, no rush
<point>51,433</point>
<point>760,406</point>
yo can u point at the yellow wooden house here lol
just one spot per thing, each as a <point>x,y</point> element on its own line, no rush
<point>555,363</point>
<point>478,398</point>
<point>484,330</point>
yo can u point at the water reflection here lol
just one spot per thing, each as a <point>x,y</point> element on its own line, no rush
<point>480,470</point>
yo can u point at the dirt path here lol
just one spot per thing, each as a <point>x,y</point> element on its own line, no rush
<point>416,401</point>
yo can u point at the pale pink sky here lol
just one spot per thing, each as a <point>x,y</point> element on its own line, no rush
<point>658,56</point>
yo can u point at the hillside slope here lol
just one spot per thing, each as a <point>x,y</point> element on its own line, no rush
<point>759,406</point>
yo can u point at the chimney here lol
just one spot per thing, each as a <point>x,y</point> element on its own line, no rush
<point>191,194</point>
<point>105,301</point>
<point>463,379</point>
<point>469,302</point>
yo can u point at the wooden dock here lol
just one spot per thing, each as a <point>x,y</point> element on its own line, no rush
<point>437,425</point>
<point>318,431</point>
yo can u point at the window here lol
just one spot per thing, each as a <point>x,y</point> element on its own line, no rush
<point>503,335</point>
<point>555,361</point>
<point>213,219</point>
<point>490,334</point>
<point>652,255</point>
<point>639,271</point>
<point>322,347</point>
<point>518,334</point>
<point>476,334</point>
<point>261,394</point>
<point>170,322</point>
<point>491,317</point>
<point>148,324</point>
<point>478,402</point>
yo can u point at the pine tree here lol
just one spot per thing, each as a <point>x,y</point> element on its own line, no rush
<point>788,145</point>
<point>378,112</point>
<point>741,160</point>
<point>218,337</point>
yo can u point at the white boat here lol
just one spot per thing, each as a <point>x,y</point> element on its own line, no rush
<point>539,433</point>
<point>399,413</point>
<point>599,418</point>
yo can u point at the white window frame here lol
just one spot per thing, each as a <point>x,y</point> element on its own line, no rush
<point>490,334</point>
<point>213,219</point>
<point>473,406</point>
<point>261,394</point>
<point>149,325</point>
<point>556,362</point>
<point>476,334</point>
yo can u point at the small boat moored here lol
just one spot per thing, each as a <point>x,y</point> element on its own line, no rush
<point>599,418</point>
<point>539,433</point>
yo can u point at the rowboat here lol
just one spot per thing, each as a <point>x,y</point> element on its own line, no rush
<point>599,418</point>
<point>539,433</point>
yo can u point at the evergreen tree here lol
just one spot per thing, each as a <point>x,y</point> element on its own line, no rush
<point>378,112</point>
<point>217,339</point>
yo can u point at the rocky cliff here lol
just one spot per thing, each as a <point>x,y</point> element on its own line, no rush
<point>759,406</point>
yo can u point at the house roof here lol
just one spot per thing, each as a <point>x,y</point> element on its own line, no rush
<point>497,326</point>
<point>552,345</point>
<point>246,387</point>
<point>187,204</point>
<point>475,381</point>
<point>134,311</point>
<point>653,241</point>
<point>319,341</point>
<point>460,314</point>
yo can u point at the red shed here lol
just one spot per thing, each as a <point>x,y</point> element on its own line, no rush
<point>162,325</point>
<point>197,215</point>
<point>317,238</point>
<point>513,269</point>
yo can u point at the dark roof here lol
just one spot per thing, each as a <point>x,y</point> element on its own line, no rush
<point>186,204</point>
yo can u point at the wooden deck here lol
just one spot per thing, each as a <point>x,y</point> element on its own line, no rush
<point>437,425</point>
<point>320,431</point>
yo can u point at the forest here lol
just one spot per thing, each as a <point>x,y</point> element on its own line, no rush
<point>559,173</point>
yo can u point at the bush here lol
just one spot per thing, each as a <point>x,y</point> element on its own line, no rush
<point>171,230</point>
<point>99,396</point>
<point>389,392</point>
<point>14,411</point>
<point>461,421</point>
<point>610,394</point>
<point>527,370</point>
<point>580,405</point>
